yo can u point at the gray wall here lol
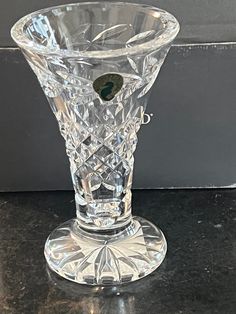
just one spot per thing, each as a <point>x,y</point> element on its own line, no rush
<point>190,140</point>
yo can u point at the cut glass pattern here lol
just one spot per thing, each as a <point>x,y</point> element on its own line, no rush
<point>73,49</point>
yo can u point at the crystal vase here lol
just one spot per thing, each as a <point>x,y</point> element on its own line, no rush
<point>96,63</point>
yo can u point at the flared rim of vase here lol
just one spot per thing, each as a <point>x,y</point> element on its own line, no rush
<point>171,29</point>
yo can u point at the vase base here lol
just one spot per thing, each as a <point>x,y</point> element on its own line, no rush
<point>105,259</point>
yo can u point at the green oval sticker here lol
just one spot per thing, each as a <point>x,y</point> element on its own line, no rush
<point>108,85</point>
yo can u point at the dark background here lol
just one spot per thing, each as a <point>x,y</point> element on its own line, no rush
<point>190,141</point>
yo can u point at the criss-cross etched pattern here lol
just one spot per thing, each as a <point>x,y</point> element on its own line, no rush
<point>100,141</point>
<point>100,135</point>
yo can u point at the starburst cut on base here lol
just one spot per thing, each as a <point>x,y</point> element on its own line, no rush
<point>99,259</point>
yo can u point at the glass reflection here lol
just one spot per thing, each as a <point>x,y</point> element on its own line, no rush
<point>73,298</point>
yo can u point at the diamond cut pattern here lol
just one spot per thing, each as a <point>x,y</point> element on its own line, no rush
<point>104,168</point>
<point>101,136</point>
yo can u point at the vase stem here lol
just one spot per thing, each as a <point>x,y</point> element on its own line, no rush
<point>102,187</point>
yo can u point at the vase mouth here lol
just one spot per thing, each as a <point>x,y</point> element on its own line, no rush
<point>169,28</point>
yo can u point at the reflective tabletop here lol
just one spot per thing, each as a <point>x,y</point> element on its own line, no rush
<point>197,276</point>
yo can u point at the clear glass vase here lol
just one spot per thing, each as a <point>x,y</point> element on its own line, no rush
<point>96,63</point>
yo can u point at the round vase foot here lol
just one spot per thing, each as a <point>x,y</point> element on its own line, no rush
<point>105,259</point>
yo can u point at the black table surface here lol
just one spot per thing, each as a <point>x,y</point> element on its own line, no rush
<point>197,276</point>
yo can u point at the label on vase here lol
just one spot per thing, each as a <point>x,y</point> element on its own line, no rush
<point>108,85</point>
